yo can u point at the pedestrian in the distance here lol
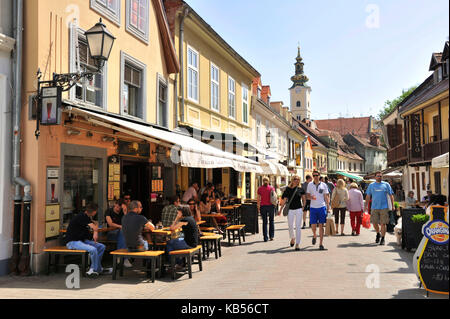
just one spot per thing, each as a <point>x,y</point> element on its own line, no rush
<point>308,202</point>
<point>339,205</point>
<point>294,195</point>
<point>266,209</point>
<point>318,193</point>
<point>355,205</point>
<point>382,197</point>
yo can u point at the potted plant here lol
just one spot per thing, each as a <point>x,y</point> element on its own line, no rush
<point>412,222</point>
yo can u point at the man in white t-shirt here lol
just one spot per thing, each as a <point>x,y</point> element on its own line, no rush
<point>191,193</point>
<point>319,195</point>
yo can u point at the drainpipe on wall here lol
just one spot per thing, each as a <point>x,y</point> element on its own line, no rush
<point>181,51</point>
<point>19,263</point>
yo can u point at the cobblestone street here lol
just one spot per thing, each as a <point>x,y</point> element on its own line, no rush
<point>258,270</point>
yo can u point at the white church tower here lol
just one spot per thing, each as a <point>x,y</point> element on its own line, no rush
<point>300,93</point>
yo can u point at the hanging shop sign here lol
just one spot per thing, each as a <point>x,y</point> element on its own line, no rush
<point>415,136</point>
<point>432,255</point>
<point>50,105</point>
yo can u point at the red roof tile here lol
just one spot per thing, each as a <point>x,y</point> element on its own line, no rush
<point>357,125</point>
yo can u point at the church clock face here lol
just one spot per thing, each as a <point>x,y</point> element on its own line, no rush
<point>298,90</point>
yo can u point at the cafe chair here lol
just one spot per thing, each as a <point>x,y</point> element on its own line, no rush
<point>189,256</point>
<point>236,231</point>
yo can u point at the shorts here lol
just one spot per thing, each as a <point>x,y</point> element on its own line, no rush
<point>379,216</point>
<point>318,215</point>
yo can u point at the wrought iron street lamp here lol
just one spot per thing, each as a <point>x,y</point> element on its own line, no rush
<point>100,42</point>
<point>268,139</point>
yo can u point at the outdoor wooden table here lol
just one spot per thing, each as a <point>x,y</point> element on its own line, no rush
<point>212,215</point>
<point>100,230</point>
<point>165,233</point>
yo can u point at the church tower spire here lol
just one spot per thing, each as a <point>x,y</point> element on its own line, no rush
<point>300,92</point>
<point>299,78</point>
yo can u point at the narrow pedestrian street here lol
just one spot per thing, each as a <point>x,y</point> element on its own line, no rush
<point>350,268</point>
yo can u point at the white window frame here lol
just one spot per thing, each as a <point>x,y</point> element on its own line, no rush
<point>258,130</point>
<point>192,68</point>
<point>245,112</point>
<point>135,30</point>
<point>128,59</point>
<point>215,99</point>
<point>75,33</point>
<point>231,98</point>
<point>112,14</point>
<point>160,79</point>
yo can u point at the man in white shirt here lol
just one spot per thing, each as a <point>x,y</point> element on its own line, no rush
<point>191,193</point>
<point>319,195</point>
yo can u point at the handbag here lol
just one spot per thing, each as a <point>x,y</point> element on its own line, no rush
<point>273,197</point>
<point>366,220</point>
<point>286,206</point>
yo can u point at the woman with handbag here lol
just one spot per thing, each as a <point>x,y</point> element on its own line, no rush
<point>339,200</point>
<point>291,205</point>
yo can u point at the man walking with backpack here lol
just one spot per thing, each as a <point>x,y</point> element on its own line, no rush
<point>266,207</point>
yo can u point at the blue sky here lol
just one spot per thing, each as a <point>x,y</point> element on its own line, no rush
<point>357,54</point>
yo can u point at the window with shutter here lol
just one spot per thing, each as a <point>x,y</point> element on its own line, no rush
<point>133,87</point>
<point>89,91</point>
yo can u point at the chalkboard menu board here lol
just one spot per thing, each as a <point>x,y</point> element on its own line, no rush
<point>433,261</point>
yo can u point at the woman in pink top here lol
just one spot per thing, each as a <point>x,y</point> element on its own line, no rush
<point>355,205</point>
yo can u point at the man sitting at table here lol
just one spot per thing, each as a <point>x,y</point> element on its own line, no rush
<point>169,212</point>
<point>79,236</point>
<point>192,192</point>
<point>113,217</point>
<point>186,221</point>
<point>133,223</point>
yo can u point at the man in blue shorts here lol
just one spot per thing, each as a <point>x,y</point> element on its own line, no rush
<point>319,195</point>
<point>382,197</point>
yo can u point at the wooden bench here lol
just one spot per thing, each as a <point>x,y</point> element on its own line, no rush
<point>207,229</point>
<point>64,251</point>
<point>211,241</point>
<point>154,256</point>
<point>188,255</point>
<point>236,230</point>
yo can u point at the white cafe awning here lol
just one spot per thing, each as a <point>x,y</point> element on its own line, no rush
<point>273,168</point>
<point>440,161</point>
<point>193,152</point>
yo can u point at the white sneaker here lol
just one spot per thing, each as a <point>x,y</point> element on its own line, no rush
<point>127,263</point>
<point>91,273</point>
<point>107,271</point>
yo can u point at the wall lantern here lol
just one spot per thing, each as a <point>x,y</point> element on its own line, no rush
<point>268,139</point>
<point>100,42</point>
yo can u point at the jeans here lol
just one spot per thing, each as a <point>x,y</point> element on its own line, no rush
<point>268,212</point>
<point>296,215</point>
<point>95,250</point>
<point>117,235</point>
<point>176,244</point>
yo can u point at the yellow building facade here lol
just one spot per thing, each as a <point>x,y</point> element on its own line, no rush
<point>135,86</point>
<point>214,95</point>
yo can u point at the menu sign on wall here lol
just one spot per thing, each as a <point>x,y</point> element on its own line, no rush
<point>415,136</point>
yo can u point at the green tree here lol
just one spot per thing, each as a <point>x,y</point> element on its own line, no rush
<point>389,106</point>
